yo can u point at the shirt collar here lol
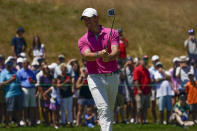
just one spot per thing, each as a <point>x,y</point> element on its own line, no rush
<point>90,34</point>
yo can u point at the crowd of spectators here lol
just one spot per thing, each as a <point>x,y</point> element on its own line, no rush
<point>57,94</point>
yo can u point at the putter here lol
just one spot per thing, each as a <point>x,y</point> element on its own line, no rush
<point>110,12</point>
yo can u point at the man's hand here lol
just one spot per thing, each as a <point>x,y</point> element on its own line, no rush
<point>13,78</point>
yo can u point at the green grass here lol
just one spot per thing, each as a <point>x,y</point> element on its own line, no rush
<point>119,127</point>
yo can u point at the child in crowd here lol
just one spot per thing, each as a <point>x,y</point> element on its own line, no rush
<point>54,102</point>
<point>180,113</point>
<point>90,118</point>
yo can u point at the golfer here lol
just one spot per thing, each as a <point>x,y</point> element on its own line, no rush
<point>101,65</point>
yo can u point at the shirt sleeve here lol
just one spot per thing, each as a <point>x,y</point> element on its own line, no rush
<point>13,41</point>
<point>177,70</point>
<point>82,46</point>
<point>115,38</point>
<point>186,43</point>
<point>1,77</point>
<point>136,75</point>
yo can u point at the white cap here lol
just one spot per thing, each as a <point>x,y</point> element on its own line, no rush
<point>19,60</point>
<point>52,66</point>
<point>10,58</point>
<point>136,60</point>
<point>176,59</point>
<point>34,63</point>
<point>155,57</point>
<point>23,54</point>
<point>61,56</point>
<point>89,12</point>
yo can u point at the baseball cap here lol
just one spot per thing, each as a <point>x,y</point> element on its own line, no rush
<point>191,32</point>
<point>20,29</point>
<point>159,64</point>
<point>119,30</point>
<point>190,73</point>
<point>175,59</point>
<point>155,57</point>
<point>129,58</point>
<point>19,60</point>
<point>52,66</point>
<point>23,54</point>
<point>61,56</point>
<point>89,12</point>
<point>145,57</point>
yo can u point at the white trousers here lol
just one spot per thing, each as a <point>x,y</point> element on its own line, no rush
<point>104,88</point>
<point>66,106</point>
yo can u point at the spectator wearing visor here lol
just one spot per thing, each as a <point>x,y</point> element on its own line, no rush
<point>191,45</point>
<point>18,43</point>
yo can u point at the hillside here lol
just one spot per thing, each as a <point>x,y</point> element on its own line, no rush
<point>151,26</point>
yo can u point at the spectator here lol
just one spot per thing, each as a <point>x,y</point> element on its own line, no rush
<point>152,70</point>
<point>175,82</point>
<point>64,83</point>
<point>54,102</point>
<point>2,100</point>
<point>123,46</point>
<point>85,97</point>
<point>37,49</point>
<point>181,113</point>
<point>90,118</point>
<point>191,45</point>
<point>191,91</point>
<point>61,59</point>
<point>195,70</point>
<point>164,91</point>
<point>142,89</point>
<point>182,72</point>
<point>19,63</point>
<point>129,90</point>
<point>18,42</point>
<point>119,105</point>
<point>28,80</point>
<point>45,84</point>
<point>13,94</point>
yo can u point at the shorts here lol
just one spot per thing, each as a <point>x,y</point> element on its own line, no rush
<point>2,98</point>
<point>142,101</point>
<point>120,100</point>
<point>193,107</point>
<point>29,97</point>
<point>14,103</point>
<point>153,95</point>
<point>164,102</point>
<point>129,93</point>
<point>84,101</point>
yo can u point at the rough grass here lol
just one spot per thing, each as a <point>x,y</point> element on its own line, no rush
<point>119,127</point>
<point>151,26</point>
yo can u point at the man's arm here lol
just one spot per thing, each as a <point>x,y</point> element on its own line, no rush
<point>13,51</point>
<point>92,56</point>
<point>113,55</point>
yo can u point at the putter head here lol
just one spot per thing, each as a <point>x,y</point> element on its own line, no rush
<point>111,12</point>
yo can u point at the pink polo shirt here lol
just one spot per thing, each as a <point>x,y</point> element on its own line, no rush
<point>89,41</point>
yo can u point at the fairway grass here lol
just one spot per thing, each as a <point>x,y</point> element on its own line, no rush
<point>119,127</point>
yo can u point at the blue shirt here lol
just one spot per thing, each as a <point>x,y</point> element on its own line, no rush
<point>13,88</point>
<point>24,76</point>
<point>18,44</point>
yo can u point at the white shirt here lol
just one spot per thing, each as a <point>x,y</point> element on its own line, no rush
<point>55,94</point>
<point>38,52</point>
<point>163,88</point>
<point>69,71</point>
